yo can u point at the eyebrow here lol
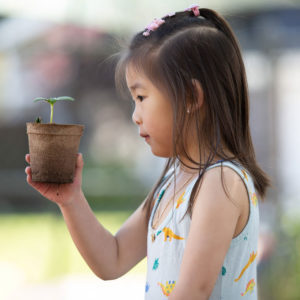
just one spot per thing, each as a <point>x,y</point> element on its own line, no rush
<point>136,86</point>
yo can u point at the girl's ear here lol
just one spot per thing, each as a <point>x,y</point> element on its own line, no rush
<point>199,92</point>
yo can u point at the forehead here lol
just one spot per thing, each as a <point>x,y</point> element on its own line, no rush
<point>136,79</point>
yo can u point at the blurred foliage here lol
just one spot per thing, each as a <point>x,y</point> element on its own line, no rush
<point>110,203</point>
<point>279,277</point>
<point>40,246</point>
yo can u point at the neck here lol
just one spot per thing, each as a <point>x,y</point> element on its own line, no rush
<point>198,156</point>
<point>187,166</point>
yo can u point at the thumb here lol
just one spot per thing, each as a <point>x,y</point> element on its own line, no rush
<point>79,161</point>
<point>79,167</point>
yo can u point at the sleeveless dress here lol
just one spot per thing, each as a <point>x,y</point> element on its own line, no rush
<point>237,278</point>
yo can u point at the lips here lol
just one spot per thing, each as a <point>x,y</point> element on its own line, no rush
<point>144,135</point>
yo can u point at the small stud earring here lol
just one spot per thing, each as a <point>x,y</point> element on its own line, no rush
<point>188,110</point>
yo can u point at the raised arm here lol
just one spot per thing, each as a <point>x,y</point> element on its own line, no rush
<point>108,256</point>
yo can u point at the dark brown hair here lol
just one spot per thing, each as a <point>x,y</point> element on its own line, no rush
<point>204,48</point>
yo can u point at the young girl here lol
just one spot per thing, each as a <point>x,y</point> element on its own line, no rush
<point>199,225</point>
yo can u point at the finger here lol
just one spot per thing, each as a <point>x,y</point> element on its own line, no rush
<point>29,178</point>
<point>27,158</point>
<point>28,170</point>
<point>79,167</point>
<point>32,183</point>
<point>79,161</point>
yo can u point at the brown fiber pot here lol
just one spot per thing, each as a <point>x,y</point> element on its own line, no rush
<point>53,150</point>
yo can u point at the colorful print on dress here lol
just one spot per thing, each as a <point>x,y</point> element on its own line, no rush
<point>245,174</point>
<point>250,261</point>
<point>254,199</point>
<point>155,264</point>
<point>223,271</point>
<point>170,234</point>
<point>168,288</point>
<point>180,200</point>
<point>153,237</point>
<point>147,287</point>
<point>249,288</point>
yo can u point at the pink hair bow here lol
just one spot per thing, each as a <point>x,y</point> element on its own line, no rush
<point>195,9</point>
<point>153,26</point>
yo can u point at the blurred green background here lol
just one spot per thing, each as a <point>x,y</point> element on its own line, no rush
<point>55,48</point>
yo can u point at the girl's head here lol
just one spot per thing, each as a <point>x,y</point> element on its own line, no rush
<point>153,113</point>
<point>195,64</point>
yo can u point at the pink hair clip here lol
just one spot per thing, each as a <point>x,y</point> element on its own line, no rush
<point>153,26</point>
<point>195,9</point>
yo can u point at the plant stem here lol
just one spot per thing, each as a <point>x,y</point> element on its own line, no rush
<point>51,115</point>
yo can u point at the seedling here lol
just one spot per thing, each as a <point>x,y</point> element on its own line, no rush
<point>52,101</point>
<point>38,120</point>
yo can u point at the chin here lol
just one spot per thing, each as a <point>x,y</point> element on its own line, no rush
<point>161,153</point>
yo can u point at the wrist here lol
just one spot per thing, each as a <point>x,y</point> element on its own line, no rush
<point>73,201</point>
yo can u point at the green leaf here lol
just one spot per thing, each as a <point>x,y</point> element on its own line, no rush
<point>65,98</point>
<point>40,99</point>
<point>51,101</point>
<point>54,99</point>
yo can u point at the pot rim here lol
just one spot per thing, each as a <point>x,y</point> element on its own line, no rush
<point>71,129</point>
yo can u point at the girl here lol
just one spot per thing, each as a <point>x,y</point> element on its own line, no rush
<point>199,224</point>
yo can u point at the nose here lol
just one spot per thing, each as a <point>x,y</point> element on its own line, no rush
<point>136,117</point>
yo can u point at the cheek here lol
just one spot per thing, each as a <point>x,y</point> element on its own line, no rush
<point>160,124</point>
<point>162,137</point>
<point>158,120</point>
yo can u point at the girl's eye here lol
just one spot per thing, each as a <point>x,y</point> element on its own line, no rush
<point>141,98</point>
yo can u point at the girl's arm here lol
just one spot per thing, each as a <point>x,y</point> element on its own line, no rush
<point>108,256</point>
<point>214,219</point>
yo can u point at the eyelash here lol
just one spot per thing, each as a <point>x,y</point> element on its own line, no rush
<point>138,98</point>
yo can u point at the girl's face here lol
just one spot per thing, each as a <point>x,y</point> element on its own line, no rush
<point>153,113</point>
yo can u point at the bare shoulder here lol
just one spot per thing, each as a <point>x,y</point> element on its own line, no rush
<point>225,183</point>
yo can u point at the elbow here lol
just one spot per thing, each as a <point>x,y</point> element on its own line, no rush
<point>199,294</point>
<point>99,272</point>
<point>105,276</point>
<point>101,275</point>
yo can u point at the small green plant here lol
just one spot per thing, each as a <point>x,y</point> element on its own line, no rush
<point>52,101</point>
<point>38,120</point>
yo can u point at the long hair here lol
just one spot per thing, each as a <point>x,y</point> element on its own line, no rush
<point>204,48</point>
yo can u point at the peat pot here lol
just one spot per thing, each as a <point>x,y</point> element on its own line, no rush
<point>53,151</point>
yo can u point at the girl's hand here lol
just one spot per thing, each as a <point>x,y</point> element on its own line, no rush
<point>62,194</point>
